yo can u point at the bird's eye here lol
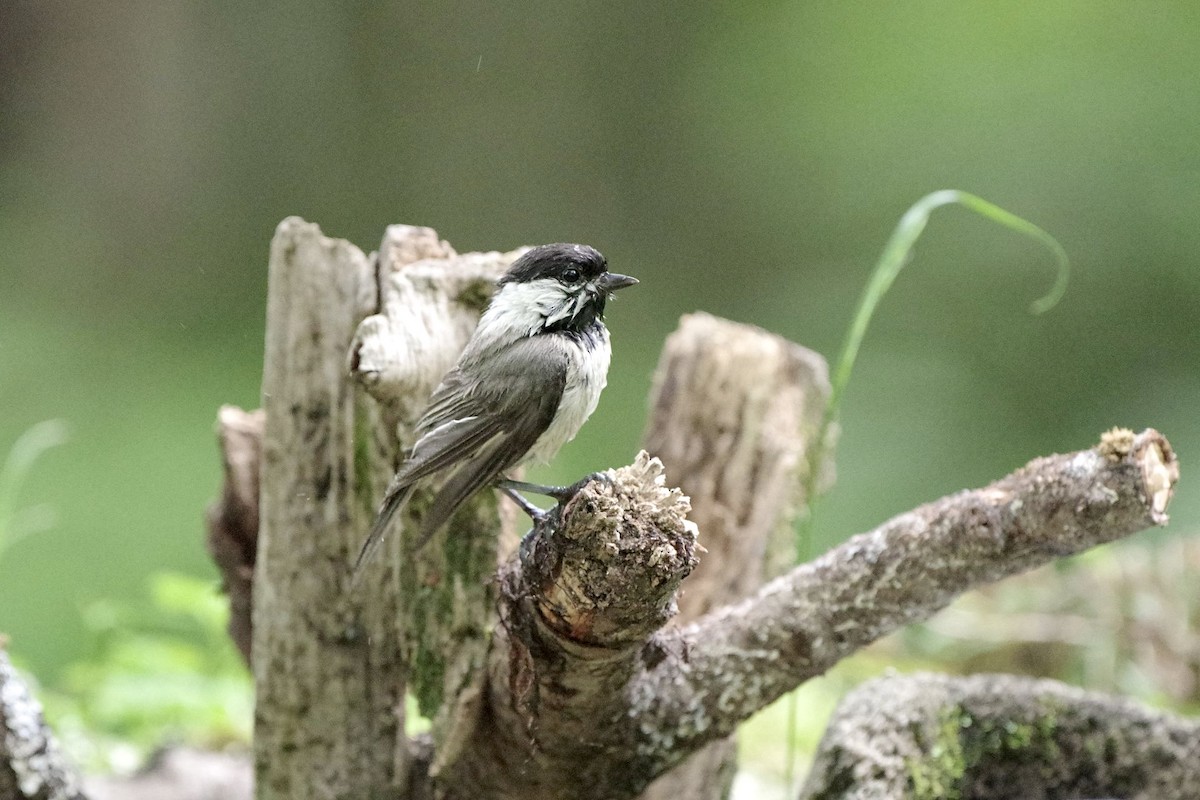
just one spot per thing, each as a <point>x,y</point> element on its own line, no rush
<point>570,275</point>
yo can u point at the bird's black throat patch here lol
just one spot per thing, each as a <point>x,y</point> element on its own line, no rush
<point>588,336</point>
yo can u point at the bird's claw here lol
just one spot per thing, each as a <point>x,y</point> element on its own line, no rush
<point>561,494</point>
<point>565,493</point>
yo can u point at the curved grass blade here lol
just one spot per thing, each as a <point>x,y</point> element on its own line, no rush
<point>896,253</point>
<point>30,445</point>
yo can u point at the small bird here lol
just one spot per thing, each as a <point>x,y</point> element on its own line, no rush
<point>529,378</point>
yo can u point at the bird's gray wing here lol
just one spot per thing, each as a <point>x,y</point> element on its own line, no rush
<point>485,418</point>
<point>455,398</point>
<point>524,387</point>
<point>393,501</point>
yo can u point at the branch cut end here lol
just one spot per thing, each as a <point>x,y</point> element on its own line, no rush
<point>609,569</point>
<point>644,486</point>
<point>1160,471</point>
<point>1152,454</point>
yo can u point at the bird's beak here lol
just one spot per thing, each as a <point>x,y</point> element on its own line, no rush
<point>611,281</point>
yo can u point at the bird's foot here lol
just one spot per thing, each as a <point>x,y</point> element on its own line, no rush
<point>533,512</point>
<point>560,493</point>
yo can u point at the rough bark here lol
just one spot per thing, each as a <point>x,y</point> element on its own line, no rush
<point>332,661</point>
<point>233,519</point>
<point>995,737</point>
<point>32,765</point>
<point>734,413</point>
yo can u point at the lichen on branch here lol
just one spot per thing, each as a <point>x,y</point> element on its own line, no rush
<point>994,737</point>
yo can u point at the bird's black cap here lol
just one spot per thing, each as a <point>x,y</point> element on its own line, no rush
<point>552,260</point>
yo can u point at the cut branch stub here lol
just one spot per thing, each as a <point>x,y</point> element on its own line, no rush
<point>608,578</point>
<point>579,602</point>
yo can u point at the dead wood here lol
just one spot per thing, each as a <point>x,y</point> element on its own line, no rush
<point>996,737</point>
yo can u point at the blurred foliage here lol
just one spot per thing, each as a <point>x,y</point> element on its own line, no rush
<point>1121,618</point>
<point>766,757</point>
<point>155,673</point>
<point>747,159</point>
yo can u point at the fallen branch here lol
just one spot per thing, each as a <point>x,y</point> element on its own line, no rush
<point>32,765</point>
<point>698,683</point>
<point>995,737</point>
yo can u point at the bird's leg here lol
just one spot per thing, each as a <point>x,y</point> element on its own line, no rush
<point>534,513</point>
<point>512,489</point>
<point>560,493</point>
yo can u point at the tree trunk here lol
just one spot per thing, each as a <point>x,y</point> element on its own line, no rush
<point>330,683</point>
<point>734,415</point>
<point>333,661</point>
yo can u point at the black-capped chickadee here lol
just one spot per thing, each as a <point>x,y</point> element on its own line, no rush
<point>529,378</point>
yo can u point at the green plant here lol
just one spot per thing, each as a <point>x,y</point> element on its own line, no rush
<point>16,522</point>
<point>158,673</point>
<point>896,254</point>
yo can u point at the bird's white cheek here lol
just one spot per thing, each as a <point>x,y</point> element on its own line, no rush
<point>515,312</point>
<point>563,306</point>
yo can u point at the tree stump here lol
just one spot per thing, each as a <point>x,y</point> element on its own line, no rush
<point>551,670</point>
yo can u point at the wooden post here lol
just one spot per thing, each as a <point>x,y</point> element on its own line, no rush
<point>354,347</point>
<point>328,671</point>
<point>734,413</point>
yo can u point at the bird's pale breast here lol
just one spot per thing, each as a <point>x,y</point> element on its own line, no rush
<point>586,378</point>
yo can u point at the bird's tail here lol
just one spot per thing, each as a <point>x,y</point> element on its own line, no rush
<point>394,501</point>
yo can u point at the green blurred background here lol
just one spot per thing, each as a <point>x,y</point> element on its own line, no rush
<point>745,159</point>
